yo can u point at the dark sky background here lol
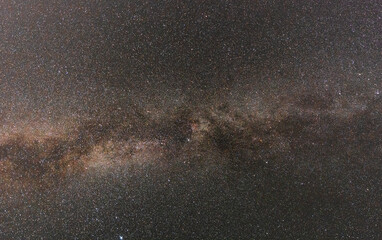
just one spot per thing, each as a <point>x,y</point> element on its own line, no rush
<point>64,56</point>
<point>190,119</point>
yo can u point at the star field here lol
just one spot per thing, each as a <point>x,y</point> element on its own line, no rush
<point>190,119</point>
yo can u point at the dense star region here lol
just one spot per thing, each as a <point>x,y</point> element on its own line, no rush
<point>190,119</point>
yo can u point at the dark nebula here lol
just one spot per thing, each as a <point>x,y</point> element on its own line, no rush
<point>190,119</point>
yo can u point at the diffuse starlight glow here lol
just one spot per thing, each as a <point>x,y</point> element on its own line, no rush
<point>200,119</point>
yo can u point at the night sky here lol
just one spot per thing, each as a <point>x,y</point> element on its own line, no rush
<point>190,119</point>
